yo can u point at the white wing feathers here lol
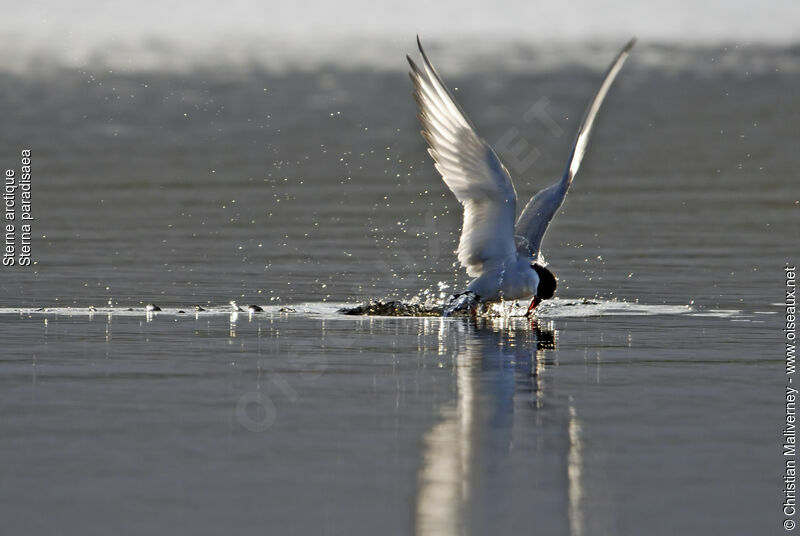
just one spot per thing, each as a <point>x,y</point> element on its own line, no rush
<point>471,169</point>
<point>537,214</point>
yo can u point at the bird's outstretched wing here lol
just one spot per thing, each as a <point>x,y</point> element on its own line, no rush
<point>536,215</point>
<point>470,168</point>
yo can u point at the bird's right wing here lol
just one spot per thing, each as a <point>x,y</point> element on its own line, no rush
<point>471,169</point>
<point>536,215</point>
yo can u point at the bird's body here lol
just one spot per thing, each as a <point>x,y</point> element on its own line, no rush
<point>511,279</point>
<point>500,251</point>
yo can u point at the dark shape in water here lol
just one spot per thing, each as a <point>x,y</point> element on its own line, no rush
<point>393,308</point>
<point>584,301</point>
<point>150,307</point>
<point>464,304</point>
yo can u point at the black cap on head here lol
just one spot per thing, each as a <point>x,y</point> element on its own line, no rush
<point>547,282</point>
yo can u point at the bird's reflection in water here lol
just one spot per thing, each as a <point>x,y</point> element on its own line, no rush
<point>470,478</point>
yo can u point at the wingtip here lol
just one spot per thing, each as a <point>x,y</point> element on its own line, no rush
<point>425,59</point>
<point>414,68</point>
<point>424,56</point>
<point>630,44</point>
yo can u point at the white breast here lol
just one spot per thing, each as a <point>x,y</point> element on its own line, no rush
<point>511,281</point>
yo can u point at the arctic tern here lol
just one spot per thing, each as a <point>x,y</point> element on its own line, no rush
<point>504,258</point>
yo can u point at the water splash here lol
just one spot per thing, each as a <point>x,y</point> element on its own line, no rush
<point>430,306</point>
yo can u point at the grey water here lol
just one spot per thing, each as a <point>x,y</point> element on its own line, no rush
<point>307,186</point>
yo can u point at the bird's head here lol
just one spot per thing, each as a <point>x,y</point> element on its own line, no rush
<point>547,282</point>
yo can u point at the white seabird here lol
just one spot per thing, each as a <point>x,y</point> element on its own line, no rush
<point>503,257</point>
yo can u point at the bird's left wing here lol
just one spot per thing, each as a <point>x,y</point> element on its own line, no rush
<point>536,215</point>
<point>470,168</point>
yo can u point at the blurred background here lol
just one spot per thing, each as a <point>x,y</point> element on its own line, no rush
<point>70,28</point>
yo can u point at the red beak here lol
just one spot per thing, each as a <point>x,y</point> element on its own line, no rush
<point>533,305</point>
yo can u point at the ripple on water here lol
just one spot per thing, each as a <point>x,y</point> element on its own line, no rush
<point>556,308</point>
